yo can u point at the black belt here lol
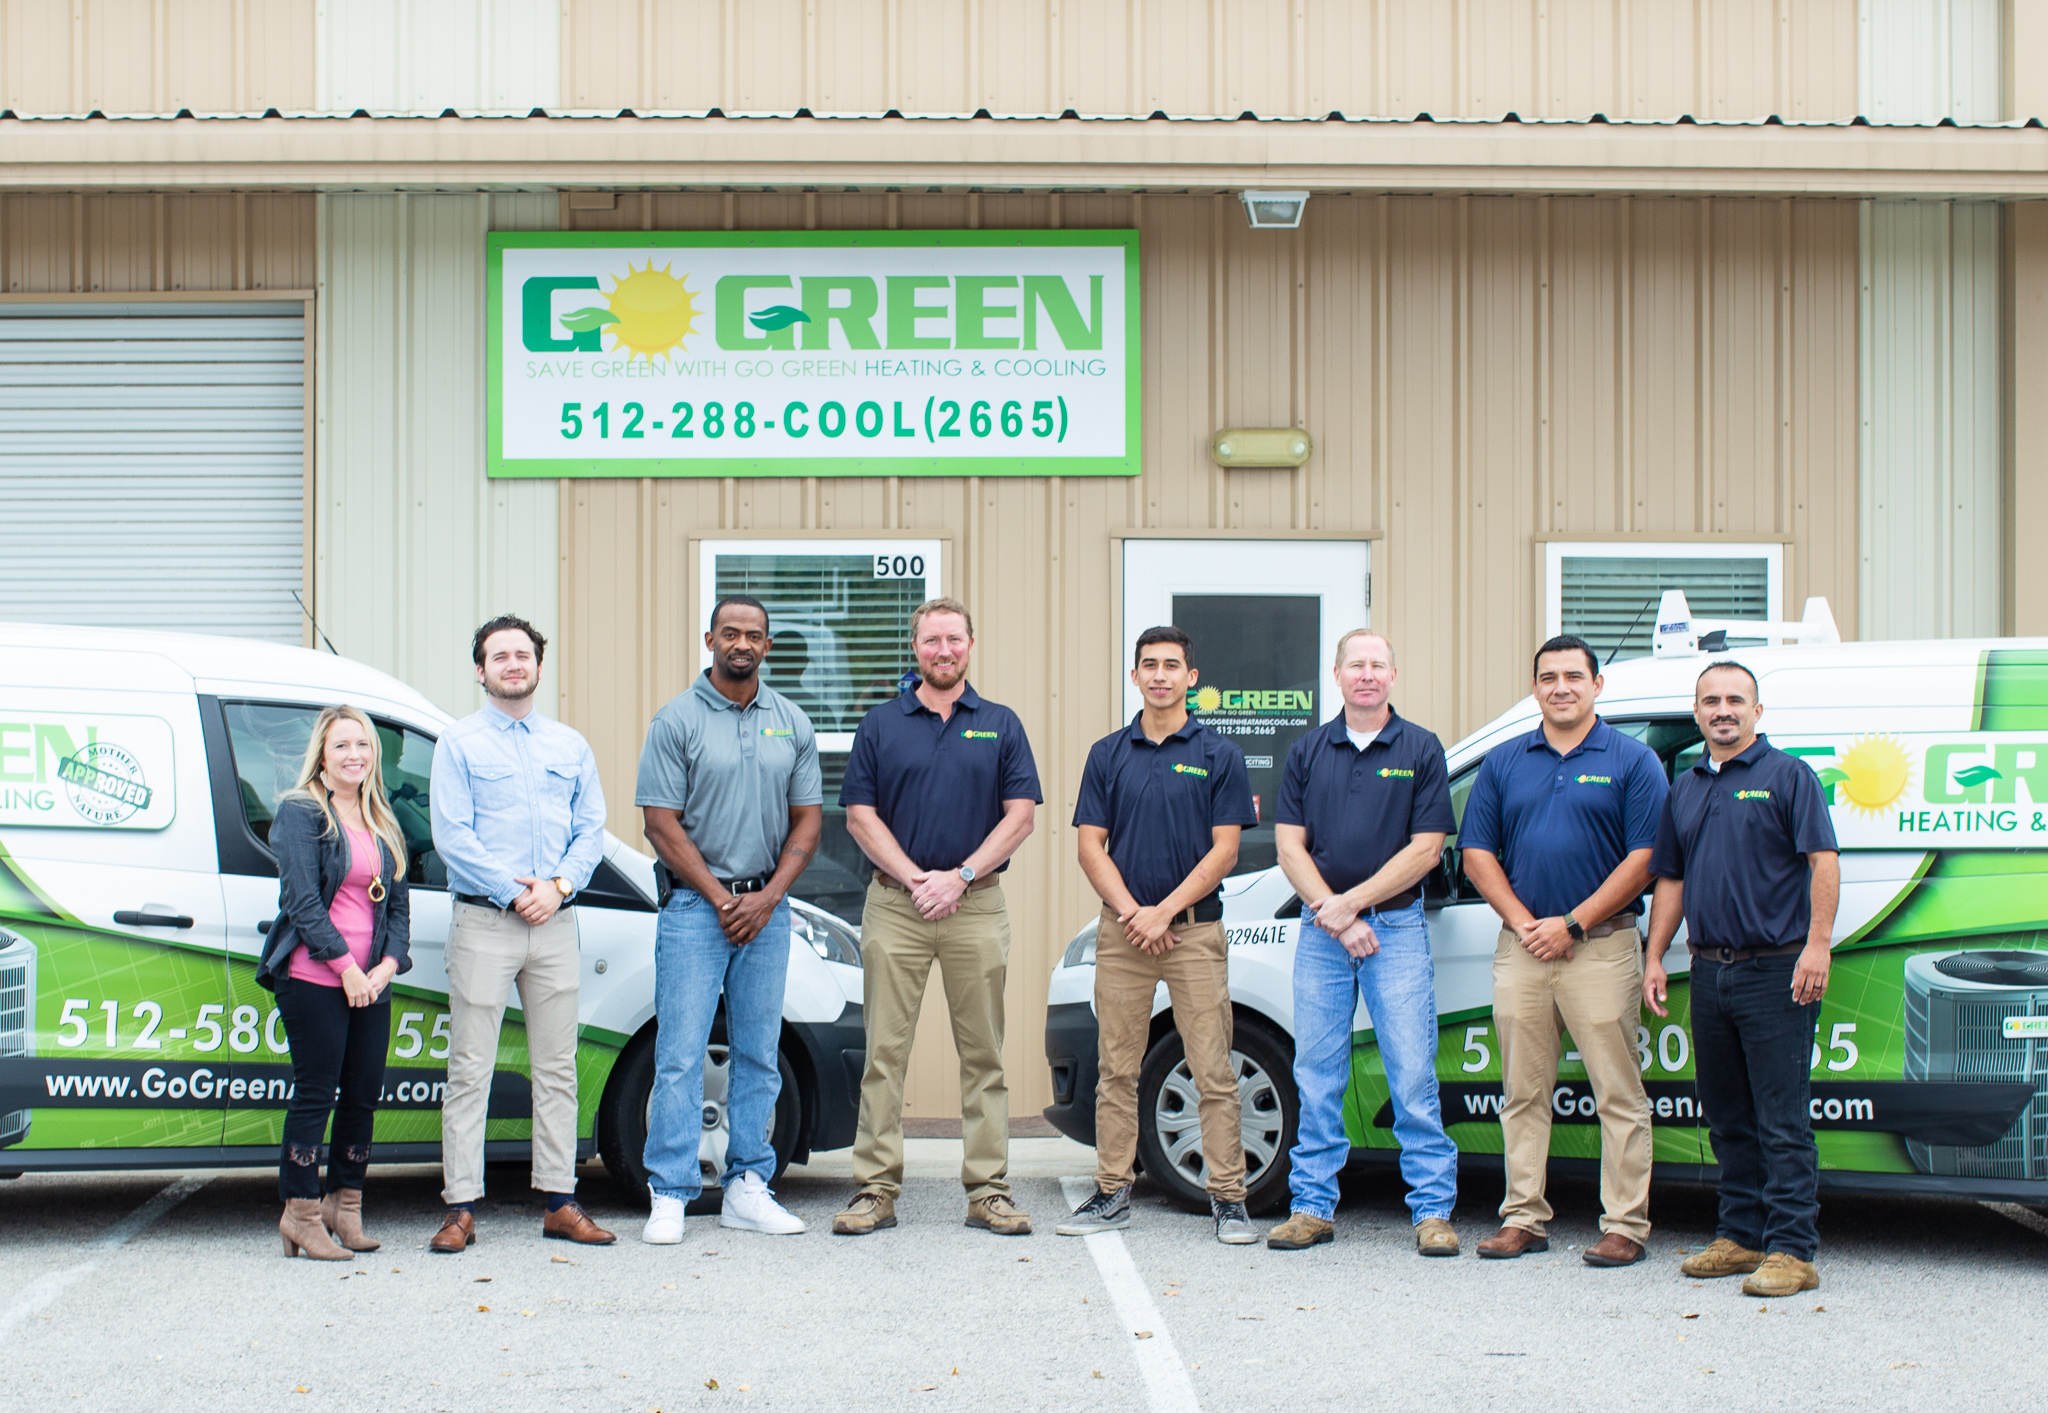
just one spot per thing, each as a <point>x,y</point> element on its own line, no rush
<point>737,886</point>
<point>478,900</point>
<point>1208,910</point>
<point>1728,956</point>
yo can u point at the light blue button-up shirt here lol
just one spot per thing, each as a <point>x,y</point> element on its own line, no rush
<point>515,797</point>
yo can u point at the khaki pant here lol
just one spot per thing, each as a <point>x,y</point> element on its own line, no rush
<point>489,951</point>
<point>1597,996</point>
<point>1197,976</point>
<point>897,949</point>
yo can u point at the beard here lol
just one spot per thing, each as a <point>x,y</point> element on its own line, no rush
<point>496,687</point>
<point>947,678</point>
<point>738,667</point>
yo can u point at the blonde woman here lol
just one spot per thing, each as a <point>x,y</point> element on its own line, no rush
<point>343,930</point>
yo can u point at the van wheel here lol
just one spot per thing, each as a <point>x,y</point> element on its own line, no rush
<point>1169,1120</point>
<point>622,1117</point>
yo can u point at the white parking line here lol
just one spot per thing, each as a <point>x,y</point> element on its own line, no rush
<point>1167,1386</point>
<point>44,1289</point>
<point>2025,1216</point>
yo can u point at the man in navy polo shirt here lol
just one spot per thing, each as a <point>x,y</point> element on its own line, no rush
<point>1365,804</point>
<point>1746,852</point>
<point>1161,807</point>
<point>1557,837</point>
<point>939,791</point>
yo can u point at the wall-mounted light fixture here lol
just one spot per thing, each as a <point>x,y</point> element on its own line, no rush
<point>1274,210</point>
<point>1261,446</point>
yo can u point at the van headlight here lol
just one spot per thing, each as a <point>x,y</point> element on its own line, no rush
<point>1081,951</point>
<point>828,937</point>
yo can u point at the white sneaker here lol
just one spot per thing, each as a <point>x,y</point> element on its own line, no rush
<point>750,1206</point>
<point>665,1223</point>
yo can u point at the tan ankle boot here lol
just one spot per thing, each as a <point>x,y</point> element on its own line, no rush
<point>342,1211</point>
<point>302,1230</point>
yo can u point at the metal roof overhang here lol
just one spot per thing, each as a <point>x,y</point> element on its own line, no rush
<point>250,153</point>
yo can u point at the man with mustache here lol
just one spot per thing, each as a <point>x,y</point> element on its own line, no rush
<point>733,804</point>
<point>1747,854</point>
<point>940,789</point>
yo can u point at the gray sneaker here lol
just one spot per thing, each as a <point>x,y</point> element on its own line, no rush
<point>1105,1211</point>
<point>1233,1225</point>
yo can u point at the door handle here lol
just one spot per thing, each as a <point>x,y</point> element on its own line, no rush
<point>129,918</point>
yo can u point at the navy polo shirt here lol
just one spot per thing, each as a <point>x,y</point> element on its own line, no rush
<point>1560,824</point>
<point>939,784</point>
<point>1159,802</point>
<point>1738,838</point>
<point>1360,808</point>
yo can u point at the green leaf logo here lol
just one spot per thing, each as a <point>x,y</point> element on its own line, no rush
<point>1976,775</point>
<point>777,316</point>
<point>1829,779</point>
<point>584,320</point>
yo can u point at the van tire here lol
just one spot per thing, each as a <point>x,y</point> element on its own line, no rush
<point>622,1118</point>
<point>1270,1062</point>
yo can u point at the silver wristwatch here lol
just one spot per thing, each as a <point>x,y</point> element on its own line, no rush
<point>967,873</point>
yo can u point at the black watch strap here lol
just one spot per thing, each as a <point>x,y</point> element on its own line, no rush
<point>1571,925</point>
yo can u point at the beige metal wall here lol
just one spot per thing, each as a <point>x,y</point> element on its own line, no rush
<point>1479,373</point>
<point>77,244</point>
<point>156,56</point>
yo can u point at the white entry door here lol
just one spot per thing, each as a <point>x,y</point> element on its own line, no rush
<point>1265,617</point>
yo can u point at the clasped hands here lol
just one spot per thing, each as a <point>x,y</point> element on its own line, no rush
<point>1338,916</point>
<point>936,894</point>
<point>363,988</point>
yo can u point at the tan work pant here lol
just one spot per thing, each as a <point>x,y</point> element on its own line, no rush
<point>897,949</point>
<point>489,952</point>
<point>1597,995</point>
<point>1196,971</point>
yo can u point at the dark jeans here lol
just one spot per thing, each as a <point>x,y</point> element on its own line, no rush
<point>337,1069</point>
<point>1751,1050</point>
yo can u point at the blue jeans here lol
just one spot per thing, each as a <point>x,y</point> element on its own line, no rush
<point>693,964</point>
<point>1752,1046</point>
<point>1398,983</point>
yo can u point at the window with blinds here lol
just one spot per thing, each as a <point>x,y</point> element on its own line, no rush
<point>1611,600</point>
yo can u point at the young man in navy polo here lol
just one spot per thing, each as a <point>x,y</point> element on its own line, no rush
<point>1557,837</point>
<point>1365,804</point>
<point>1161,807</point>
<point>1746,853</point>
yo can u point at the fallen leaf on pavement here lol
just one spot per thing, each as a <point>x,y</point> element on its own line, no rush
<point>1693,1316</point>
<point>670,1286</point>
<point>1820,1309</point>
<point>1907,1364</point>
<point>527,1313</point>
<point>711,1383</point>
<point>1141,1334</point>
<point>482,1280</point>
<point>483,1309</point>
<point>557,1260</point>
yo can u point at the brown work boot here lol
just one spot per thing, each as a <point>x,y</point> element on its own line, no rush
<point>997,1213</point>
<point>1510,1242</point>
<point>302,1232</point>
<point>1299,1232</point>
<point>569,1222</point>
<point>342,1211</point>
<point>1613,1249</point>
<point>1435,1237</point>
<point>1723,1258</point>
<point>1782,1275</point>
<point>458,1232</point>
<point>868,1212</point>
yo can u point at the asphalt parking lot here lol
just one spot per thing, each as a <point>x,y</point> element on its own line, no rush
<point>168,1291</point>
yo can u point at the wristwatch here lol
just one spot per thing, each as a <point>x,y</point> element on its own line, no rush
<point>1571,925</point>
<point>967,873</point>
<point>567,891</point>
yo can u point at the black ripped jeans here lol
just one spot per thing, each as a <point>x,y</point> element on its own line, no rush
<point>338,1069</point>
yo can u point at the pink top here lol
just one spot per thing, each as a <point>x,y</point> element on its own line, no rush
<point>353,914</point>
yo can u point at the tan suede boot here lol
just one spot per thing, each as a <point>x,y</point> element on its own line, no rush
<point>1782,1275</point>
<point>342,1211</point>
<point>1723,1258</point>
<point>303,1231</point>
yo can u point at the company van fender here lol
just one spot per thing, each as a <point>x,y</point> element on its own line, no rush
<point>813,353</point>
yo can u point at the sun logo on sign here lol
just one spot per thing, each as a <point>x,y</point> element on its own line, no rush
<point>1870,775</point>
<point>1207,699</point>
<point>648,313</point>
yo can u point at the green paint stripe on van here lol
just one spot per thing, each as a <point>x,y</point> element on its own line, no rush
<point>2012,692</point>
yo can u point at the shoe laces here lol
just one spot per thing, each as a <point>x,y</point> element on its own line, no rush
<point>864,1202</point>
<point>1000,1204</point>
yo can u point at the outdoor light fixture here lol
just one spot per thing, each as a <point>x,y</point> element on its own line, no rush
<point>1261,446</point>
<point>1274,210</point>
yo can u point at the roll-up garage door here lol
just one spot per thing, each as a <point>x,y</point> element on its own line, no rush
<point>152,464</point>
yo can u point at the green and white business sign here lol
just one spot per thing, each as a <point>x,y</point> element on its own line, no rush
<point>813,353</point>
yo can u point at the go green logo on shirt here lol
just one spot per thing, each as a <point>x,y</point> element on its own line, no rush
<point>1190,770</point>
<point>1596,780</point>
<point>777,731</point>
<point>980,735</point>
<point>1752,794</point>
<point>1387,770</point>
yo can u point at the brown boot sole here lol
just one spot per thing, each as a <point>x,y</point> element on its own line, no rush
<point>982,1224</point>
<point>1321,1238</point>
<point>869,1230</point>
<point>1541,1243</point>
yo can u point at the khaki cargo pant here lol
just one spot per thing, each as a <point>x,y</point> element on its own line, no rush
<point>1197,975</point>
<point>897,949</point>
<point>490,951</point>
<point>1598,997</point>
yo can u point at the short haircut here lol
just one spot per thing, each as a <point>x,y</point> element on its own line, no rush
<point>504,623</point>
<point>931,606</point>
<point>1165,633</point>
<point>741,601</point>
<point>1566,643</point>
<point>1345,642</point>
<point>1755,692</point>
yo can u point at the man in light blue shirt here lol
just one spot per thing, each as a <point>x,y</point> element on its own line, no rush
<point>519,820</point>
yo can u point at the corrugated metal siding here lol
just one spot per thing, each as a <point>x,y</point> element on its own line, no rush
<point>1933,414</point>
<point>412,546</point>
<point>156,56</point>
<point>77,244</point>
<point>1920,61</point>
<point>1478,372</point>
<point>152,465</point>
<point>433,54</point>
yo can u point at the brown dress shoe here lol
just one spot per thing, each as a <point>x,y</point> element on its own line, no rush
<point>1510,1242</point>
<point>570,1222</point>
<point>457,1233</point>
<point>997,1213</point>
<point>1613,1249</point>
<point>869,1212</point>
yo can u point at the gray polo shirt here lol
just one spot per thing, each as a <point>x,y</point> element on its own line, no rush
<point>732,773</point>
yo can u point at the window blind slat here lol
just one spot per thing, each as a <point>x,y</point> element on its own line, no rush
<point>1612,602</point>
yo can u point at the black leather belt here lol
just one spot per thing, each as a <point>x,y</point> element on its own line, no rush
<point>477,900</point>
<point>737,886</point>
<point>1728,956</point>
<point>1208,910</point>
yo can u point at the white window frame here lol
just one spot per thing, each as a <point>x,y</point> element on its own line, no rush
<point>873,548</point>
<point>1555,552</point>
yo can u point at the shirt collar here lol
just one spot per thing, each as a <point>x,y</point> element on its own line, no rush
<point>1598,739</point>
<point>504,720</point>
<point>912,706</point>
<point>718,701</point>
<point>1750,755</point>
<point>1187,730</point>
<point>1336,733</point>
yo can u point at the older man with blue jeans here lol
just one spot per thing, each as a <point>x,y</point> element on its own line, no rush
<point>1365,806</point>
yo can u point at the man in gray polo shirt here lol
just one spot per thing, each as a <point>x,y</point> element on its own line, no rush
<point>733,804</point>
